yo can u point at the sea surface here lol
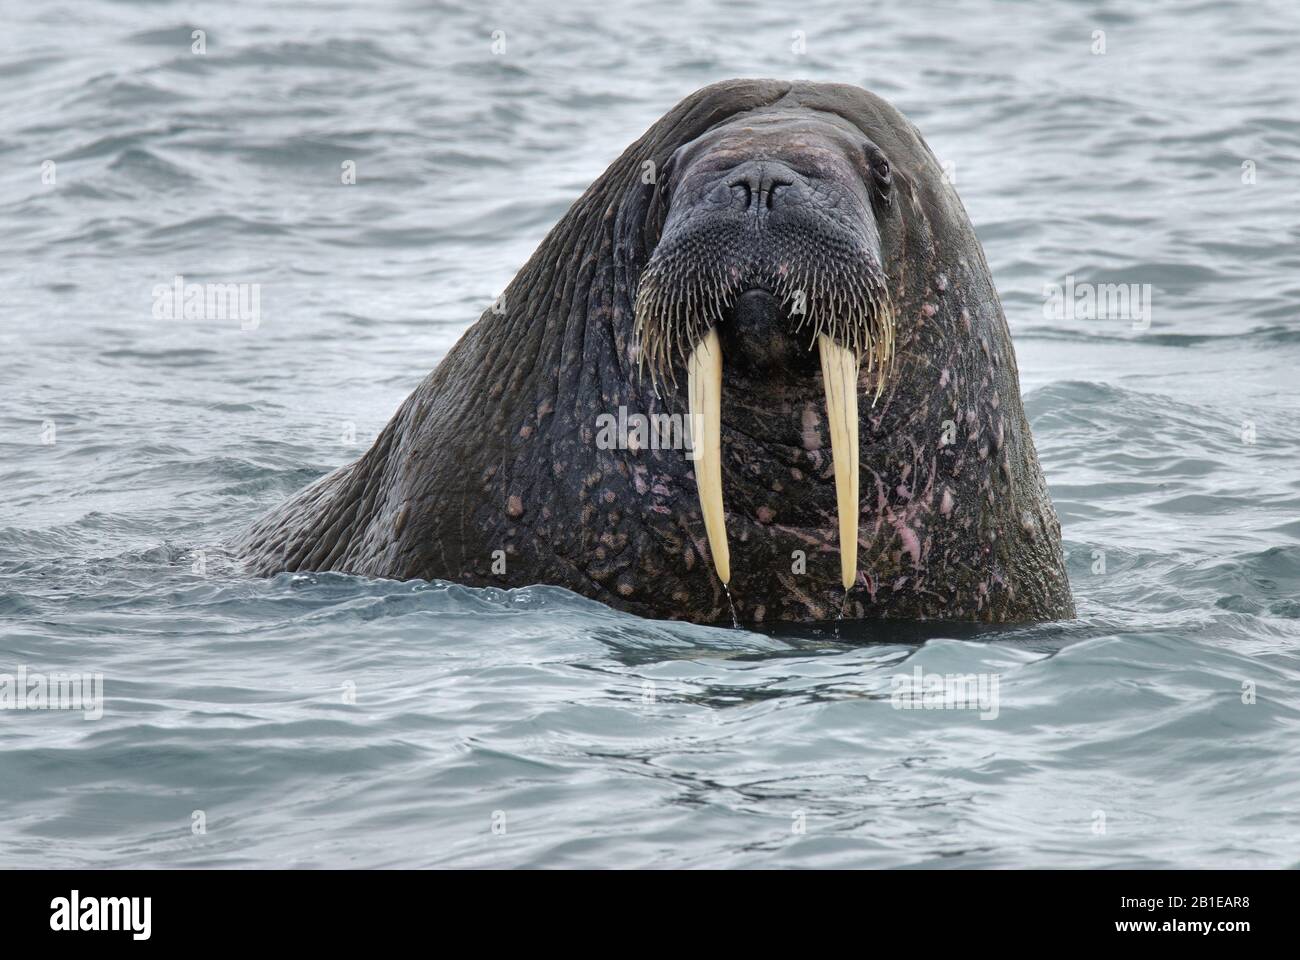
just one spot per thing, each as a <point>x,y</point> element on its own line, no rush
<point>332,721</point>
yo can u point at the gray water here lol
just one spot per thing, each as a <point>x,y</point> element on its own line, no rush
<point>335,721</point>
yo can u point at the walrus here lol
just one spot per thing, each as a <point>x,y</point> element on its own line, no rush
<point>782,270</point>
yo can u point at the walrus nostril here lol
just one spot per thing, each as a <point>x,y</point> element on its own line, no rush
<point>757,185</point>
<point>777,185</point>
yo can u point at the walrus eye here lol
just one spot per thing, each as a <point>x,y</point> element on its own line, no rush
<point>881,175</point>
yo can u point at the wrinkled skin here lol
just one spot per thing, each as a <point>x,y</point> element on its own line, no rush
<point>493,462</point>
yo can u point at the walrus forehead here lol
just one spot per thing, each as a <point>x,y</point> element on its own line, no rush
<point>813,143</point>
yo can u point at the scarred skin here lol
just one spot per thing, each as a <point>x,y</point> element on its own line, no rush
<point>490,473</point>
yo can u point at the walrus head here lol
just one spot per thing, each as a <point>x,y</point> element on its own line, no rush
<point>771,246</point>
<point>782,215</point>
<point>786,268</point>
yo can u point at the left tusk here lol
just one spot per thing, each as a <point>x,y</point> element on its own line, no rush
<point>840,376</point>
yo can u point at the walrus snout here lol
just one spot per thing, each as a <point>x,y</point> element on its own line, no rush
<point>759,186</point>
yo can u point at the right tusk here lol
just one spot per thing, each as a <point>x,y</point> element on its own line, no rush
<point>704,393</point>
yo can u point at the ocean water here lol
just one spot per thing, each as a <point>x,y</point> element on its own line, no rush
<point>331,721</point>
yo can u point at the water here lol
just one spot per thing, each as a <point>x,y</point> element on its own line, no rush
<point>597,738</point>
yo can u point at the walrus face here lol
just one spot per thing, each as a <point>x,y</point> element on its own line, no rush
<point>771,245</point>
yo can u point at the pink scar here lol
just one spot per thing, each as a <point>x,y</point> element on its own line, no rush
<point>911,542</point>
